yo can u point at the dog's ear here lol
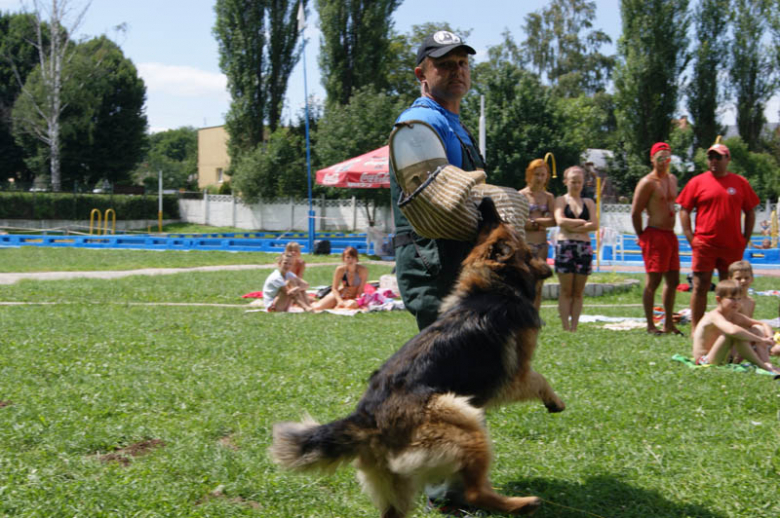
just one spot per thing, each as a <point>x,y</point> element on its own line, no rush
<point>501,251</point>
<point>489,215</point>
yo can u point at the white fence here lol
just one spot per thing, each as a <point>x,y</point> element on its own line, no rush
<point>330,215</point>
<point>350,215</point>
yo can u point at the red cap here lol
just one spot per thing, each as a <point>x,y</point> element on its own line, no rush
<point>659,146</point>
<point>720,149</point>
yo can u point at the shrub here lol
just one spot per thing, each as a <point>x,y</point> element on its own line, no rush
<point>26,205</point>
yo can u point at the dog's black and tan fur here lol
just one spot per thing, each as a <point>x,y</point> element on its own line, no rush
<point>422,418</point>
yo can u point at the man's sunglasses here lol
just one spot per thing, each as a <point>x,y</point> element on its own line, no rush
<point>714,156</point>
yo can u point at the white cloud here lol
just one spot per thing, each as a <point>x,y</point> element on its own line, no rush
<point>182,80</point>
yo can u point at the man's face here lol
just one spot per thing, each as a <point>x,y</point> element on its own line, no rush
<point>717,163</point>
<point>662,159</point>
<point>447,77</point>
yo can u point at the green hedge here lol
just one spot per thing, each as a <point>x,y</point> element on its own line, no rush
<point>26,205</point>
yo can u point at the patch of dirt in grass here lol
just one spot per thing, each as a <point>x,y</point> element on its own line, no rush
<point>227,442</point>
<point>5,403</point>
<point>219,493</point>
<point>123,455</point>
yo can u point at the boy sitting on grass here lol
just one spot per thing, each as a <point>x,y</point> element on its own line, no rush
<point>725,327</point>
<point>282,288</point>
<point>742,274</point>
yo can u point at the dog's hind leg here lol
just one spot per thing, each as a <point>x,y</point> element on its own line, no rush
<point>531,385</point>
<point>392,494</point>
<point>479,492</point>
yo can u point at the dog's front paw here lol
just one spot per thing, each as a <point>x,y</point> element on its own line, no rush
<point>555,406</point>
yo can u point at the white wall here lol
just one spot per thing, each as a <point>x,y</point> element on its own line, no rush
<point>334,215</point>
<point>350,215</point>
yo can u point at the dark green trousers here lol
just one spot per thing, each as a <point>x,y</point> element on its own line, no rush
<point>427,270</point>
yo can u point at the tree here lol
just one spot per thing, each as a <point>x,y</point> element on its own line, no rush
<point>652,58</point>
<point>102,125</point>
<point>557,49</point>
<point>705,91</point>
<point>175,153</point>
<point>257,52</point>
<point>17,59</point>
<point>272,170</point>
<point>354,50</point>
<point>360,126</point>
<point>523,121</point>
<point>754,77</point>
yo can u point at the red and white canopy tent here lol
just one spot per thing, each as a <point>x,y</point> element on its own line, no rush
<point>368,171</point>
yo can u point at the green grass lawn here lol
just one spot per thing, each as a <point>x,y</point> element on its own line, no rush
<point>95,375</point>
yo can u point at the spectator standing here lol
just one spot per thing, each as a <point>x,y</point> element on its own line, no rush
<point>541,205</point>
<point>576,218</point>
<point>655,193</point>
<point>719,198</point>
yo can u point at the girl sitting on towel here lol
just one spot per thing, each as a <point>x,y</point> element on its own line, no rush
<point>349,280</point>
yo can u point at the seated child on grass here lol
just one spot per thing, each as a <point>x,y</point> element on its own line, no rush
<point>282,288</point>
<point>742,274</point>
<point>725,327</point>
<point>299,265</point>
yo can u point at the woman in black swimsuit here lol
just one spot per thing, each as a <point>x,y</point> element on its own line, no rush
<point>576,218</point>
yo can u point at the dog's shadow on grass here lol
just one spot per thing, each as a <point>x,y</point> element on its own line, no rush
<point>604,497</point>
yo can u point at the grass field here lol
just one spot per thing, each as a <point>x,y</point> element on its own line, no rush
<point>108,408</point>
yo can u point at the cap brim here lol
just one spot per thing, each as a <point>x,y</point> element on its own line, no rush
<point>718,151</point>
<point>449,48</point>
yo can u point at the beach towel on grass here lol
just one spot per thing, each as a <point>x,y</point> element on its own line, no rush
<point>735,367</point>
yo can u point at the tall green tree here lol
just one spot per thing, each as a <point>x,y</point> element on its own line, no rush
<point>175,153</point>
<point>360,126</point>
<point>754,70</point>
<point>17,59</point>
<point>54,52</point>
<point>523,120</point>
<point>354,50</point>
<point>102,122</point>
<point>706,90</point>
<point>562,47</point>
<point>652,56</point>
<point>257,52</point>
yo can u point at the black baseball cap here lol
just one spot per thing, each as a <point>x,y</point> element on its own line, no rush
<point>440,43</point>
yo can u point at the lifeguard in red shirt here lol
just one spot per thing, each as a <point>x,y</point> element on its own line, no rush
<point>719,198</point>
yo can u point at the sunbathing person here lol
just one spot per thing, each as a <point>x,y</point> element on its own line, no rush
<point>282,288</point>
<point>299,265</point>
<point>349,280</point>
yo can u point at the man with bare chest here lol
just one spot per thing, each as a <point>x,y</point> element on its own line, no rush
<point>656,193</point>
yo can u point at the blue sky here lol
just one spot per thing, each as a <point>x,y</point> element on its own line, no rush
<point>171,44</point>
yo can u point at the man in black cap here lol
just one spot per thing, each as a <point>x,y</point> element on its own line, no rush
<point>428,268</point>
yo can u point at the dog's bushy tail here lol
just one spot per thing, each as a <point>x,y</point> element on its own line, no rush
<point>308,445</point>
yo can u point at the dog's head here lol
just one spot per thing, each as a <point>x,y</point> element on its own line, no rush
<point>502,251</point>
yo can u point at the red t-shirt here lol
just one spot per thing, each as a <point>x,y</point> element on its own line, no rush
<point>719,203</point>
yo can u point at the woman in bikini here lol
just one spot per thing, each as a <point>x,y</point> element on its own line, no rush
<point>540,213</point>
<point>349,280</point>
<point>576,217</point>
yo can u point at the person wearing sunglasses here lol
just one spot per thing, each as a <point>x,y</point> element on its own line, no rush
<point>719,198</point>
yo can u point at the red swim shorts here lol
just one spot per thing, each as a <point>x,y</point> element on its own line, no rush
<point>660,250</point>
<point>707,258</point>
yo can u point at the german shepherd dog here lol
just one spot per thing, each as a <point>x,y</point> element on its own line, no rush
<point>421,419</point>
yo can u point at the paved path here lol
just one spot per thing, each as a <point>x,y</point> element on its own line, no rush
<point>11,278</point>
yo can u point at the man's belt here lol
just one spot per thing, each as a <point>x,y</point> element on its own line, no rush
<point>402,239</point>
